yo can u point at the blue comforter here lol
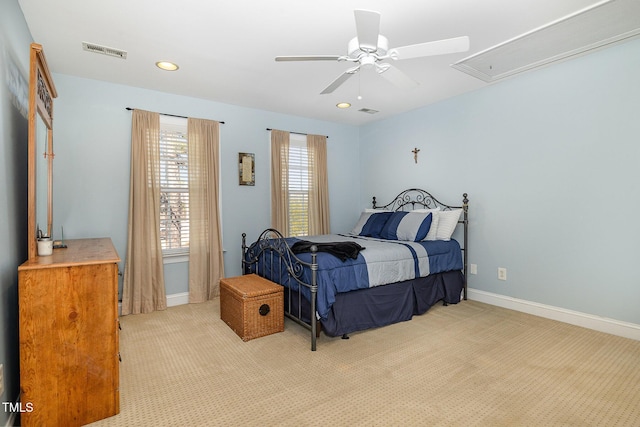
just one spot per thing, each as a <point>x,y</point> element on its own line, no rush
<point>380,263</point>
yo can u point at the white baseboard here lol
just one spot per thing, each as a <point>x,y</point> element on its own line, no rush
<point>177,299</point>
<point>172,300</point>
<point>590,321</point>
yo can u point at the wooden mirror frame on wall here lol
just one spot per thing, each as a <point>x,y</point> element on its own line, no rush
<point>41,95</point>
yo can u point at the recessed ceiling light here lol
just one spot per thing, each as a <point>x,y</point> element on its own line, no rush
<point>167,66</point>
<point>343,105</point>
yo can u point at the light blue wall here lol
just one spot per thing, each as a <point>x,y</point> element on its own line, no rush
<point>14,74</point>
<point>550,162</point>
<point>91,173</point>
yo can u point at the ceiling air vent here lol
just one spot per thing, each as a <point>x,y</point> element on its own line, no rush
<point>594,27</point>
<point>368,110</point>
<point>109,51</point>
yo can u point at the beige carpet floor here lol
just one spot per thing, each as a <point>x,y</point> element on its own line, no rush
<point>469,364</point>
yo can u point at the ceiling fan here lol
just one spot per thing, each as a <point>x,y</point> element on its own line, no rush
<point>369,49</point>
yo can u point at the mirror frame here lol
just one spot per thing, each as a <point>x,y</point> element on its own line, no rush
<point>41,95</point>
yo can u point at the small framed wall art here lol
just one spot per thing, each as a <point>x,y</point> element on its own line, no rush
<point>247,168</point>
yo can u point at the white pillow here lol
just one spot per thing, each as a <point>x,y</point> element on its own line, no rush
<point>447,221</point>
<point>435,219</point>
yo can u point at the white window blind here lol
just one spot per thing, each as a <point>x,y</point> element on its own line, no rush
<point>174,185</point>
<point>298,186</point>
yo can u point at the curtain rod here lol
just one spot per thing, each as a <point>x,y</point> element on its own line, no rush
<point>170,115</point>
<point>299,133</point>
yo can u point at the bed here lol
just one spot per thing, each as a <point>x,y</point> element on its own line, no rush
<point>398,261</point>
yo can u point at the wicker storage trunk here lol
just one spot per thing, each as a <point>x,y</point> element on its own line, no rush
<point>252,306</point>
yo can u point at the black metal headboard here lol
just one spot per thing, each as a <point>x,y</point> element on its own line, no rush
<point>415,198</point>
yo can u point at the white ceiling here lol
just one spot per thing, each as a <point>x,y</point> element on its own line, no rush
<point>226,48</point>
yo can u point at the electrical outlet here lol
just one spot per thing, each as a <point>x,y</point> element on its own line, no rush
<point>502,273</point>
<point>473,268</point>
<point>1,379</point>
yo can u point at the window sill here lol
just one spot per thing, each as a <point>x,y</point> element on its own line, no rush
<point>175,258</point>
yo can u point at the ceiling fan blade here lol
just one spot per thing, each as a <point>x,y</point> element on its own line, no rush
<point>308,58</point>
<point>368,29</point>
<point>396,77</point>
<point>439,47</point>
<point>340,80</point>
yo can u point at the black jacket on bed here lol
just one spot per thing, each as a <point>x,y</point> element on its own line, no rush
<point>341,250</point>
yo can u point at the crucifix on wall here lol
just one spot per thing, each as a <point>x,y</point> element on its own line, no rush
<point>415,152</point>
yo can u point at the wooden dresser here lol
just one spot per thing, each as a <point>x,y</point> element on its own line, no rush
<point>68,309</point>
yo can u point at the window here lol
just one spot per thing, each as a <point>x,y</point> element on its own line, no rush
<point>174,186</point>
<point>298,186</point>
<point>299,190</point>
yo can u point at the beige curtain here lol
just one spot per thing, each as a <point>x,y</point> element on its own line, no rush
<point>143,288</point>
<point>318,185</point>
<point>206,265</point>
<point>280,181</point>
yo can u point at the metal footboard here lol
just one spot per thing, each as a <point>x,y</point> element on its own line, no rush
<point>271,257</point>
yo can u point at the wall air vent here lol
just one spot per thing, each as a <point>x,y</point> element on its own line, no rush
<point>109,51</point>
<point>596,26</point>
<point>368,110</point>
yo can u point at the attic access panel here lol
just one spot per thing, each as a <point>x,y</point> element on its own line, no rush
<point>597,26</point>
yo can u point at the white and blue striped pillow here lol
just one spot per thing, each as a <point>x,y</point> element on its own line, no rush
<point>371,224</point>
<point>408,226</point>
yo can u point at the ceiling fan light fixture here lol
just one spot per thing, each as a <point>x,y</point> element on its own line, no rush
<point>167,65</point>
<point>368,62</point>
<point>343,105</point>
